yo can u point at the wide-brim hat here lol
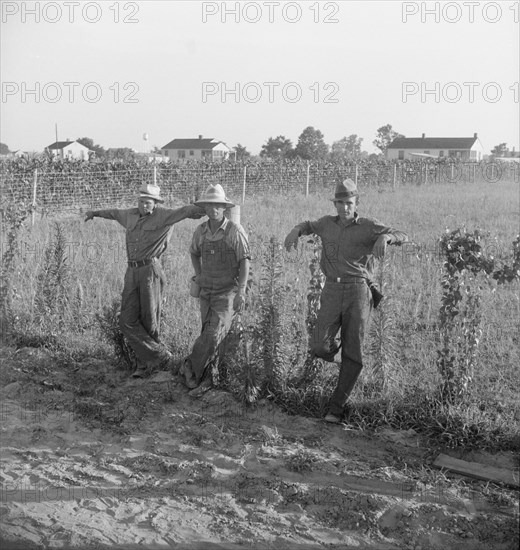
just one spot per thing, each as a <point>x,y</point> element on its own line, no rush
<point>214,194</point>
<point>345,189</point>
<point>150,191</point>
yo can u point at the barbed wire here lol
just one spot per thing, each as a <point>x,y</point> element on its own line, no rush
<point>53,185</point>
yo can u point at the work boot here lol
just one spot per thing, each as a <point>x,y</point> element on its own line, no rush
<point>175,366</point>
<point>332,419</point>
<point>140,372</point>
<point>201,389</point>
<point>187,373</point>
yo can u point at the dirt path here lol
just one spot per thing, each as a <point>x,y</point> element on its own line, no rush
<point>209,473</point>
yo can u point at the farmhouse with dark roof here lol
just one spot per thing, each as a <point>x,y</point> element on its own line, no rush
<point>196,149</point>
<point>462,148</point>
<point>68,150</point>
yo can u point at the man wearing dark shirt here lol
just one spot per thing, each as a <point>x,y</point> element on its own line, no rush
<point>148,228</point>
<point>349,245</point>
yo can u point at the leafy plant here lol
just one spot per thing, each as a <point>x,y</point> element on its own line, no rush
<point>383,340</point>
<point>13,216</point>
<point>53,285</point>
<point>108,322</point>
<point>269,333</point>
<point>316,284</point>
<point>459,315</point>
<point>301,461</point>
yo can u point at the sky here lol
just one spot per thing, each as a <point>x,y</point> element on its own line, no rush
<point>242,72</point>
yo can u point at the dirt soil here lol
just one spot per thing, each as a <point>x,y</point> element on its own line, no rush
<point>93,459</point>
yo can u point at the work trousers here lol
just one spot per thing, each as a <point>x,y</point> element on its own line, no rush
<point>345,306</point>
<point>216,313</point>
<point>141,313</point>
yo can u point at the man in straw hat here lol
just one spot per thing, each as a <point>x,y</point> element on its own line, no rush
<point>148,229</point>
<point>220,256</point>
<point>349,245</point>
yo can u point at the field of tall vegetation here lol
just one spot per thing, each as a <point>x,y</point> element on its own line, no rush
<point>442,353</point>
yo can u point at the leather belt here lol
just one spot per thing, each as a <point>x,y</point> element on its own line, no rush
<point>141,263</point>
<point>355,280</point>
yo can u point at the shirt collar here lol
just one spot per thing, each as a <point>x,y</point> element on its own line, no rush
<point>222,226</point>
<point>354,221</point>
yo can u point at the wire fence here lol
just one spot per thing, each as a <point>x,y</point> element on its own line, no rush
<point>56,185</point>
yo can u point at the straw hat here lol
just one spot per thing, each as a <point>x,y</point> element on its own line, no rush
<point>214,195</point>
<point>149,191</point>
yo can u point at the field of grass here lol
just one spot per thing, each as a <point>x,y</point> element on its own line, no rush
<point>400,377</point>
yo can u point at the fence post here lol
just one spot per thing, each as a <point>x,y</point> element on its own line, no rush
<point>154,174</point>
<point>307,179</point>
<point>356,174</point>
<point>394,182</point>
<point>244,185</point>
<point>35,184</point>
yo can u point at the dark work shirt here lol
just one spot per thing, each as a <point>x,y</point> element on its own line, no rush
<point>147,236</point>
<point>347,249</point>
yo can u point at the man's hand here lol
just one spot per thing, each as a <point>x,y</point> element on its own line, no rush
<point>195,212</point>
<point>380,246</point>
<point>240,300</point>
<point>291,241</point>
<point>89,216</point>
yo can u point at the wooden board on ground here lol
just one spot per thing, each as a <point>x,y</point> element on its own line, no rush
<point>477,470</point>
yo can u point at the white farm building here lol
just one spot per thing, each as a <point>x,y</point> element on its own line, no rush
<point>68,150</point>
<point>196,149</point>
<point>462,148</point>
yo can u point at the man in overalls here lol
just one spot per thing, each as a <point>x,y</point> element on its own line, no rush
<point>148,229</point>
<point>220,256</point>
<point>349,245</point>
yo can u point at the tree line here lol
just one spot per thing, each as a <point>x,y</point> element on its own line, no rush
<point>310,146</point>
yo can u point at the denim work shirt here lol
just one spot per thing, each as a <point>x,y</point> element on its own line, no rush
<point>347,249</point>
<point>146,236</point>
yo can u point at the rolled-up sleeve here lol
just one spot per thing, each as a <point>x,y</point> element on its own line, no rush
<point>397,237</point>
<point>240,244</point>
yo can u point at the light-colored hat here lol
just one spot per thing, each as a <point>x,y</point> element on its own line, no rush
<point>345,189</point>
<point>214,195</point>
<point>150,191</point>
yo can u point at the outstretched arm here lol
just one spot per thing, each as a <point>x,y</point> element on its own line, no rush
<point>112,214</point>
<point>304,228</point>
<point>387,235</point>
<point>173,216</point>
<point>291,241</point>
